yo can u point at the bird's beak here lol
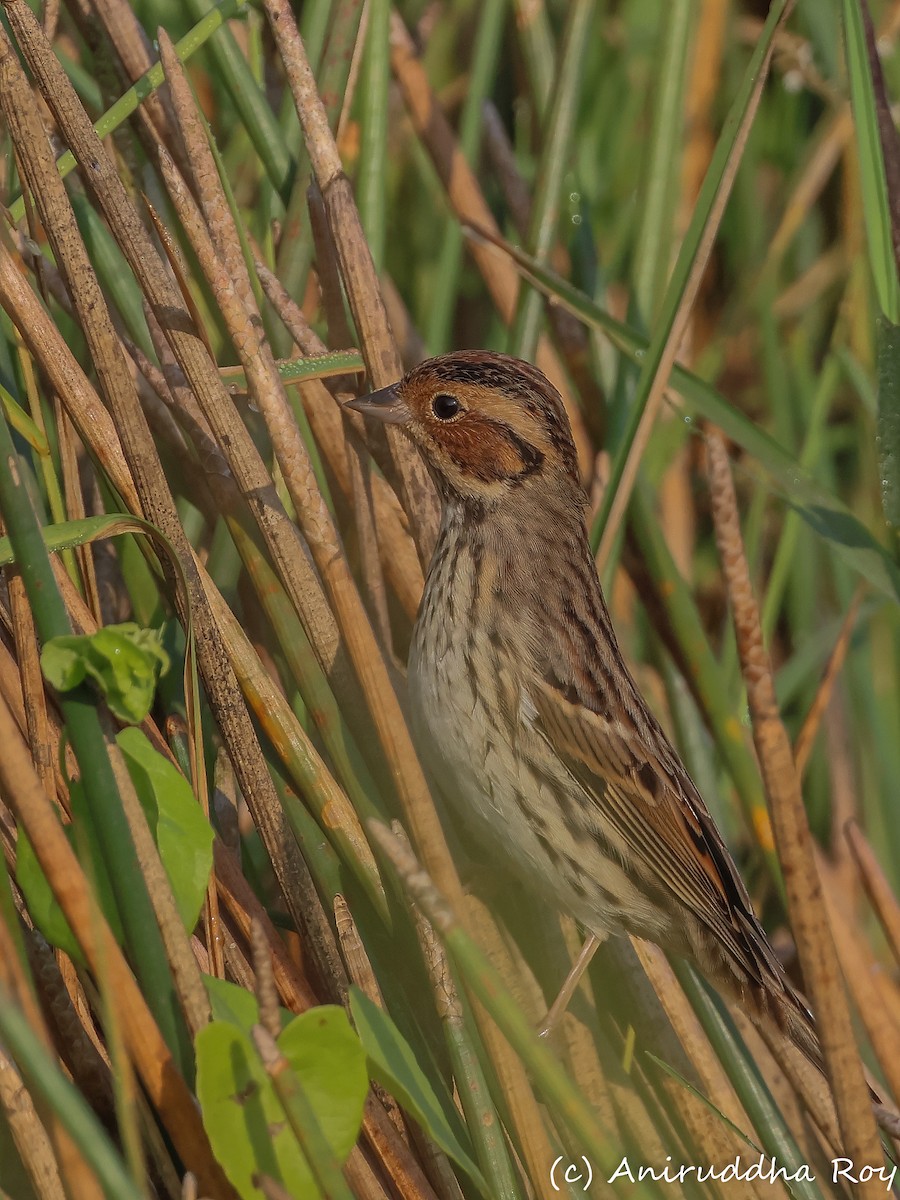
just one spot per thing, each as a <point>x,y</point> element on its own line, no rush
<point>386,404</point>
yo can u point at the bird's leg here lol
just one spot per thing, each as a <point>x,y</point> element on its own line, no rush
<point>592,944</point>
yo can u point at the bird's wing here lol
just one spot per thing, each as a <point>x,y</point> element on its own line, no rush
<point>642,793</point>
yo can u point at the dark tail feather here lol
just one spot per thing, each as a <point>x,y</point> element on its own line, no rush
<point>797,1022</point>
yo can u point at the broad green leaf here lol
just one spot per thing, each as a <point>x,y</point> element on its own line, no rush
<point>42,904</point>
<point>124,661</point>
<point>243,1116</point>
<point>179,826</point>
<point>182,834</point>
<point>393,1065</point>
<point>889,419</point>
<point>235,1004</point>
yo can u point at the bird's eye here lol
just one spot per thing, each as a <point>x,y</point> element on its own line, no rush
<point>445,406</point>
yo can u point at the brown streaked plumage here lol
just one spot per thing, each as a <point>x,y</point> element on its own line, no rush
<point>522,704</point>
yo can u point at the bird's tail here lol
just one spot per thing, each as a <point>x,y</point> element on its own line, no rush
<point>796,1022</point>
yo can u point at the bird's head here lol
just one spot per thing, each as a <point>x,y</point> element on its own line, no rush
<point>486,424</point>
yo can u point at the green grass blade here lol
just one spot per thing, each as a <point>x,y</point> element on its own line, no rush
<point>703,212</point>
<point>889,421</point>
<point>78,707</point>
<point>554,157</point>
<point>260,122</point>
<point>371,184</point>
<point>778,1141</point>
<point>481,79</point>
<point>825,513</point>
<point>876,207</point>
<point>652,245</point>
<point>129,102</point>
<point>59,1095</point>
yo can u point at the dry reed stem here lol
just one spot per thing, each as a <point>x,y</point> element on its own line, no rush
<point>399,560</point>
<point>74,500</point>
<point>874,993</point>
<point>711,1140</point>
<point>778,1083</point>
<point>410,342</point>
<point>815,945</point>
<point>204,177</point>
<point>290,553</point>
<point>136,55</point>
<point>34,698</point>
<point>580,1040</point>
<point>528,1130</point>
<point>94,424</point>
<point>401,1168</point>
<point>27,1121</point>
<point>715,1084</point>
<point>467,201</point>
<point>808,1083</point>
<point>359,968</point>
<point>358,461</point>
<point>225,698</point>
<point>32,1143</point>
<point>65,1002</point>
<point>192,995</point>
<point>840,743</point>
<point>41,174</point>
<point>244,908</point>
<point>172,389</point>
<point>146,1047</point>
<point>357,268</point>
<point>364,1183</point>
<point>11,693</point>
<point>317,525</point>
<point>333,809</point>
<point>803,743</point>
<point>265,989</point>
<point>878,889</point>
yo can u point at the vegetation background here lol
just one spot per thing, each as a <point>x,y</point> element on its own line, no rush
<point>686,212</point>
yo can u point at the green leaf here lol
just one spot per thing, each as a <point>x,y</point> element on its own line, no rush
<point>124,661</point>
<point>181,831</point>
<point>243,1116</point>
<point>393,1065</point>
<point>179,826</point>
<point>876,209</point>
<point>235,1004</point>
<point>889,419</point>
<point>42,904</point>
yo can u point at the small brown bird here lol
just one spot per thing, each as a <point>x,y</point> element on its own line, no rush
<point>521,700</point>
